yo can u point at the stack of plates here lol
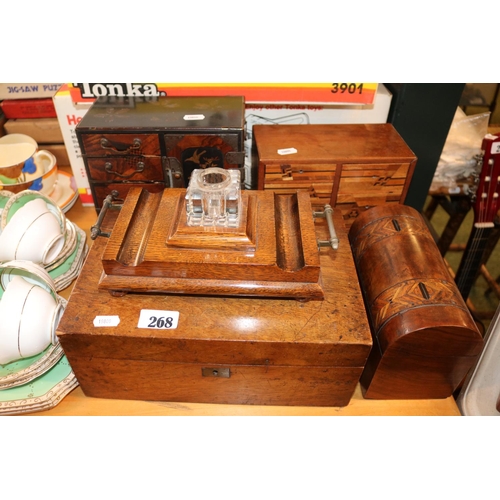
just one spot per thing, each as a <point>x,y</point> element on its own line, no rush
<point>69,262</point>
<point>66,266</point>
<point>42,393</point>
<point>25,370</point>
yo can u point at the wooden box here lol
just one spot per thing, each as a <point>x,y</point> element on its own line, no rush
<point>232,350</point>
<point>157,142</point>
<point>424,337</point>
<point>352,167</point>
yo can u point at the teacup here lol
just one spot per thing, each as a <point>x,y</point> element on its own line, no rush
<point>21,161</point>
<point>32,273</point>
<point>33,233</point>
<point>44,178</point>
<point>29,316</point>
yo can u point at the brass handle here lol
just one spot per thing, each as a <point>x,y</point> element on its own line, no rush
<point>327,214</point>
<point>120,147</point>
<point>95,230</point>
<point>138,169</point>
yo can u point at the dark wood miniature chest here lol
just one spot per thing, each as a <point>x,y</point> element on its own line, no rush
<point>352,167</point>
<point>220,349</point>
<point>155,143</point>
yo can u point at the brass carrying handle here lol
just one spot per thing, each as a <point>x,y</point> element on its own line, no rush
<point>95,230</point>
<point>120,147</point>
<point>327,214</point>
<point>138,169</point>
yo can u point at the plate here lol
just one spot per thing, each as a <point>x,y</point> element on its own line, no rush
<point>41,393</point>
<point>24,370</point>
<point>4,197</point>
<point>64,194</point>
<point>69,269</point>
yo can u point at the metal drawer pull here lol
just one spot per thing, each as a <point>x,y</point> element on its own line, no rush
<point>95,230</point>
<point>138,169</point>
<point>327,214</point>
<point>120,147</point>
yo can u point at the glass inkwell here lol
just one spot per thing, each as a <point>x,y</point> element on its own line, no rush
<point>213,198</point>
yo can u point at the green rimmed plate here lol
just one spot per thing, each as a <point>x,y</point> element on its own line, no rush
<point>42,393</point>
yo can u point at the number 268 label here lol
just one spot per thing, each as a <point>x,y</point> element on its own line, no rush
<point>158,320</point>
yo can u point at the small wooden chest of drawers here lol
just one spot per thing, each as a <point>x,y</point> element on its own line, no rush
<point>352,167</point>
<point>156,142</point>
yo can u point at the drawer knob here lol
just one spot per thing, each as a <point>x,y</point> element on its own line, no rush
<point>120,147</point>
<point>138,169</point>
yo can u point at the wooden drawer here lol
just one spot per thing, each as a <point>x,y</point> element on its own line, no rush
<point>104,144</point>
<point>128,168</point>
<point>363,186</point>
<point>291,173</point>
<point>316,179</point>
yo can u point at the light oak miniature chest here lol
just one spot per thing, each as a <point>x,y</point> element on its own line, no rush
<point>352,167</point>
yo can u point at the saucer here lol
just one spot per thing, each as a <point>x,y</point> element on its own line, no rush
<point>69,269</point>
<point>64,194</point>
<point>24,370</point>
<point>42,393</point>
<point>4,198</point>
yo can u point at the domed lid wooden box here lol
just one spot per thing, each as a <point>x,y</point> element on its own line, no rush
<point>424,338</point>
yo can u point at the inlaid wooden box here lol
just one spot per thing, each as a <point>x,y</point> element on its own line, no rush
<point>156,142</point>
<point>425,339</point>
<point>352,167</point>
<point>231,350</point>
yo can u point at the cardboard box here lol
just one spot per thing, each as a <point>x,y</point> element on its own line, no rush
<point>27,90</point>
<point>28,108</point>
<point>296,114</point>
<point>43,130</point>
<point>69,114</point>
<point>300,93</point>
<point>2,123</point>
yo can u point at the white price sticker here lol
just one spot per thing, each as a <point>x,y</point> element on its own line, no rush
<point>287,151</point>
<point>158,320</point>
<point>495,147</point>
<point>194,117</point>
<point>106,321</point>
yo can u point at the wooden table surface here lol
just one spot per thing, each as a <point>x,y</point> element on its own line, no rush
<point>76,403</point>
